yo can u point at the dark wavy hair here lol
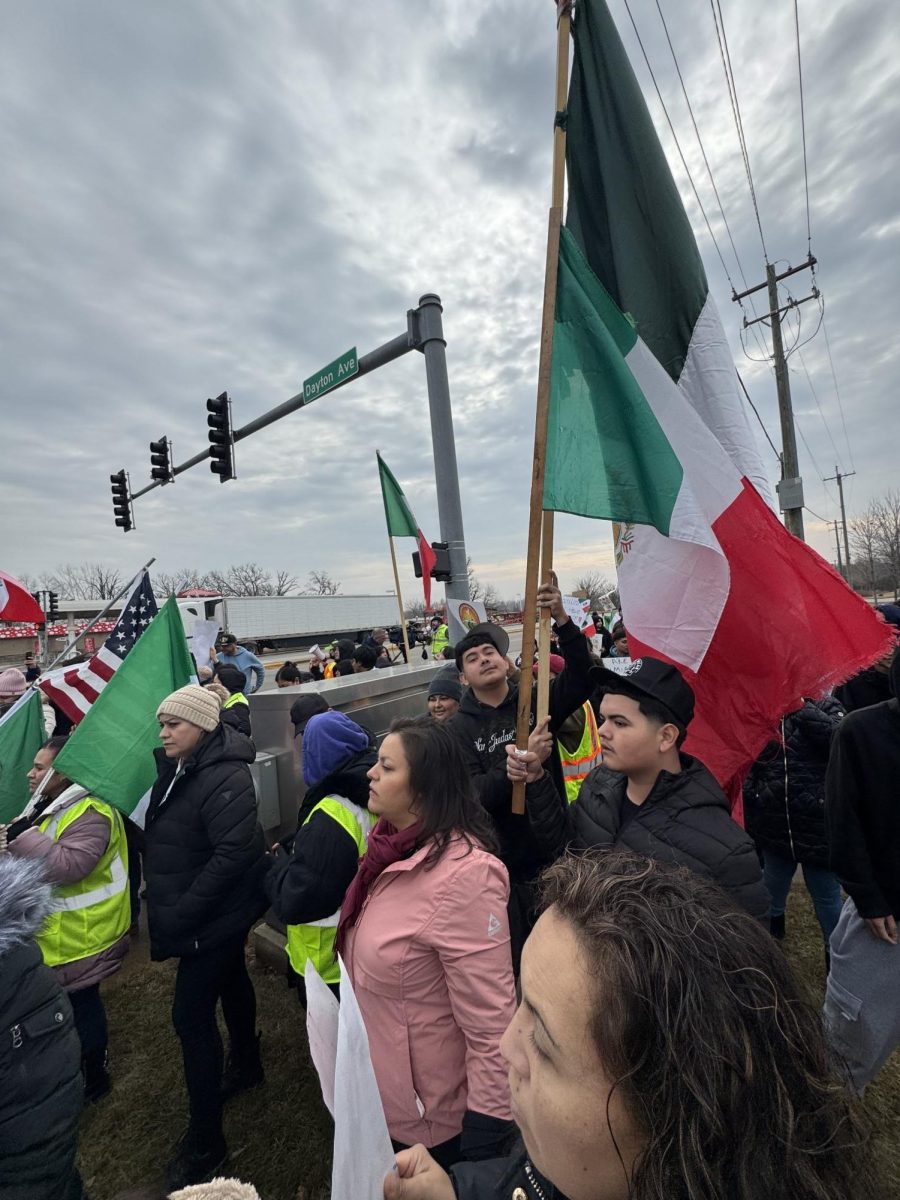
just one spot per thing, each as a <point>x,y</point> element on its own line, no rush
<point>721,1062</point>
<point>442,786</point>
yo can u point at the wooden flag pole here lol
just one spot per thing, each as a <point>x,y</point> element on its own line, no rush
<point>399,599</point>
<point>540,524</point>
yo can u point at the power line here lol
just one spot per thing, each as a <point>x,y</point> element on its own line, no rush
<point>803,127</point>
<point>712,181</point>
<point>758,417</point>
<point>813,513</point>
<point>818,405</point>
<point>718,20</point>
<point>678,146</point>
<point>837,390</point>
<point>816,466</point>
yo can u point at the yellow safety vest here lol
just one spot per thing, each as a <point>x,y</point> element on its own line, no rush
<point>440,640</point>
<point>94,912</point>
<point>315,941</point>
<point>587,754</point>
<point>235,698</point>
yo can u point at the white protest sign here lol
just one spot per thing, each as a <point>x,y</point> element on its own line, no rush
<point>362,1144</point>
<point>579,611</point>
<point>203,639</point>
<point>621,666</point>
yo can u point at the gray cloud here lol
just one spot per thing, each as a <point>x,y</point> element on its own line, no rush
<point>225,196</point>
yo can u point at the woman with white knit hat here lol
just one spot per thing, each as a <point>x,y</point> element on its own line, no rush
<point>204,862</point>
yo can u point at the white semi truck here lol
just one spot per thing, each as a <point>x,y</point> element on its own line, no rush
<point>290,622</point>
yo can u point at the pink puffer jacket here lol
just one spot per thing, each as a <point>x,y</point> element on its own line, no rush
<point>430,962</point>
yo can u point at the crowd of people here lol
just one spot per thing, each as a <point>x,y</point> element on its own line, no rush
<point>588,999</point>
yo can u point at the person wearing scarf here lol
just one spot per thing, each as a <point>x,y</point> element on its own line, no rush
<point>425,939</point>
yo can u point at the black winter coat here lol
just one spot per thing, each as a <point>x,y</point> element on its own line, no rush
<point>784,793</point>
<point>205,856</point>
<point>484,733</point>
<point>238,717</point>
<point>502,1179</point>
<point>685,820</point>
<point>41,1087</point>
<point>310,883</point>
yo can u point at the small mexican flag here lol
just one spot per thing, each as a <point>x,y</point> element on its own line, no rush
<point>111,751</point>
<point>647,429</point>
<point>21,736</point>
<point>402,523</point>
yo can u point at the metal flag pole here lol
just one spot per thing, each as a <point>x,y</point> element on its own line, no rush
<point>540,524</point>
<point>132,583</point>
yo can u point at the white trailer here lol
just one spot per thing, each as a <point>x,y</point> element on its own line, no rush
<point>283,622</point>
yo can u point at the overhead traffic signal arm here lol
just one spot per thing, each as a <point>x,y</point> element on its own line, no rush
<point>121,500</point>
<point>221,438</point>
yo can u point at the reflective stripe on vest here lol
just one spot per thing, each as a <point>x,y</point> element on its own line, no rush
<point>94,912</point>
<point>235,698</point>
<point>315,939</point>
<point>577,764</point>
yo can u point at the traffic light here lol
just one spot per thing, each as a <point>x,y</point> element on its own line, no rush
<point>161,461</point>
<point>441,570</point>
<point>121,500</point>
<point>52,610</point>
<point>221,438</point>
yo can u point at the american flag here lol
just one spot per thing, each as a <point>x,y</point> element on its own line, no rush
<point>74,689</point>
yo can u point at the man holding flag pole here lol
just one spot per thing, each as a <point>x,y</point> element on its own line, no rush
<point>639,421</point>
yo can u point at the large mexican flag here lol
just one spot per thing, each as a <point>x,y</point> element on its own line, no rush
<point>648,429</point>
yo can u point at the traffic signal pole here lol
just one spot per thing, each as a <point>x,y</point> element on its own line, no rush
<point>446,476</point>
<point>424,332</point>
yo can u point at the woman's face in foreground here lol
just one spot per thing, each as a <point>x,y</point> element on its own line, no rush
<point>560,1090</point>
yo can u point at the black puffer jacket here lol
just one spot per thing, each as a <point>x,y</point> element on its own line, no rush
<point>512,1178</point>
<point>784,794</point>
<point>685,820</point>
<point>309,883</point>
<point>205,856</point>
<point>41,1088</point>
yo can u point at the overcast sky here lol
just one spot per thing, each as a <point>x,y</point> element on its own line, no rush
<point>220,194</point>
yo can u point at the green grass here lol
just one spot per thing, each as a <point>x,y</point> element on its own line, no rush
<point>280,1135</point>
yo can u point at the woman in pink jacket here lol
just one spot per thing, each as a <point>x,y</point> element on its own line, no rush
<point>425,938</point>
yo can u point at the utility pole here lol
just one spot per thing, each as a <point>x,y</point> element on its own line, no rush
<point>790,487</point>
<point>837,543</point>
<point>837,476</point>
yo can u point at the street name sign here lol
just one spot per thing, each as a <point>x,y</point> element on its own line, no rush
<point>329,377</point>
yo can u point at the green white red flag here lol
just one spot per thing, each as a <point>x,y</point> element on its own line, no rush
<point>22,734</point>
<point>648,429</point>
<point>402,523</point>
<point>111,751</point>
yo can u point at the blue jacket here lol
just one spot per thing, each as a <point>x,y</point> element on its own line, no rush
<point>247,662</point>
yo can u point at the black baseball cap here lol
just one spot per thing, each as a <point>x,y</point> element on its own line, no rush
<point>659,680</point>
<point>306,707</point>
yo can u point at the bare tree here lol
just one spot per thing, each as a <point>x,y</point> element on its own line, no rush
<point>597,588</point>
<point>320,583</point>
<point>416,610</point>
<point>84,581</point>
<point>187,577</point>
<point>490,597</point>
<point>475,588</point>
<point>886,513</point>
<point>284,583</point>
<point>864,544</point>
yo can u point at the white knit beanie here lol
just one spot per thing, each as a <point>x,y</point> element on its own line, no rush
<point>195,704</point>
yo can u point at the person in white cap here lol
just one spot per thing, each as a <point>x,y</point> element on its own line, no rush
<point>204,863</point>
